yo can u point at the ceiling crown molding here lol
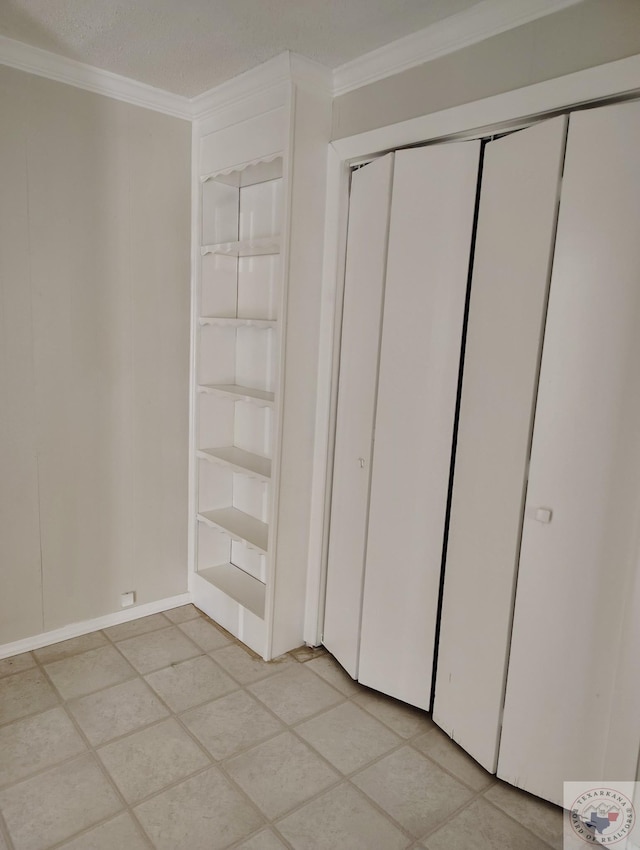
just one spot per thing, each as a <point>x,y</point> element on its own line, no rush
<point>481,21</point>
<point>34,60</point>
<point>287,67</point>
<point>248,84</point>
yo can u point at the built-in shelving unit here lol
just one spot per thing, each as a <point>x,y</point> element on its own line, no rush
<point>237,378</point>
<point>259,160</point>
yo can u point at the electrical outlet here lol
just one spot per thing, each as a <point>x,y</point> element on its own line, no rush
<point>127,599</point>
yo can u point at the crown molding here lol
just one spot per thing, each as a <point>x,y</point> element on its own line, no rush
<point>311,74</point>
<point>34,60</point>
<point>481,21</point>
<point>485,19</point>
<point>287,67</point>
<point>248,84</point>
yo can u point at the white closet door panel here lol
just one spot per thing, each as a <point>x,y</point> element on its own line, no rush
<point>575,571</point>
<point>431,225</point>
<point>364,286</point>
<point>514,246</point>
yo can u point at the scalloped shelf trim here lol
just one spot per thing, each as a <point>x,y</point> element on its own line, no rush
<point>225,172</point>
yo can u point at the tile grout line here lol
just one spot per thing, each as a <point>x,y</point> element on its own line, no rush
<point>4,833</point>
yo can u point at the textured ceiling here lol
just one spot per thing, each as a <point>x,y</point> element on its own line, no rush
<point>189,46</point>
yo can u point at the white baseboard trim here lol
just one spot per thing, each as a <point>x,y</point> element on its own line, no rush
<point>86,626</point>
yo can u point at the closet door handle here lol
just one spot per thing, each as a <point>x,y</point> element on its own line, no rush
<point>543,515</point>
<point>361,462</point>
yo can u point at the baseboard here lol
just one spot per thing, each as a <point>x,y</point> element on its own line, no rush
<point>76,629</point>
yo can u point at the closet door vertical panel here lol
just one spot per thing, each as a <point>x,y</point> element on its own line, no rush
<point>577,562</point>
<point>362,310</point>
<point>432,216</point>
<point>514,246</point>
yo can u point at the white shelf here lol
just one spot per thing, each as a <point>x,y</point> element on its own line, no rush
<point>246,248</point>
<point>244,588</point>
<point>239,460</point>
<point>238,393</point>
<point>239,526</point>
<point>233,322</point>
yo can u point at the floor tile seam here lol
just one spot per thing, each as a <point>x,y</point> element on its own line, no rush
<point>114,641</point>
<point>170,785</point>
<point>230,780</point>
<point>363,767</point>
<point>415,838</point>
<point>287,729</point>
<point>454,775</point>
<point>515,819</point>
<point>39,667</point>
<point>247,688</point>
<point>171,715</point>
<point>195,705</point>
<point>313,716</point>
<point>342,781</point>
<point>451,817</point>
<point>321,678</point>
<point>143,728</point>
<point>199,744</point>
<point>246,749</point>
<point>4,832</point>
<point>146,725</point>
<point>96,761</point>
<point>61,844</point>
<point>72,654</point>
<point>42,770</point>
<point>17,672</point>
<point>33,714</point>
<point>141,673</point>
<point>256,832</point>
<point>273,821</point>
<point>242,646</point>
<point>384,723</point>
<point>63,699</point>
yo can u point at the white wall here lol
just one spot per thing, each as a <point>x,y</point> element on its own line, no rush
<point>94,327</point>
<point>582,36</point>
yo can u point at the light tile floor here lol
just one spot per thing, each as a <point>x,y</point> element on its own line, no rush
<point>167,733</point>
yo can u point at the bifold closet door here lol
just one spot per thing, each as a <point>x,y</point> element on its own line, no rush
<point>580,541</point>
<point>361,319</point>
<point>514,246</point>
<point>432,216</point>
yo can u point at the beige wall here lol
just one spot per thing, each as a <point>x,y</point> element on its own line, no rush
<point>588,34</point>
<point>94,353</point>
